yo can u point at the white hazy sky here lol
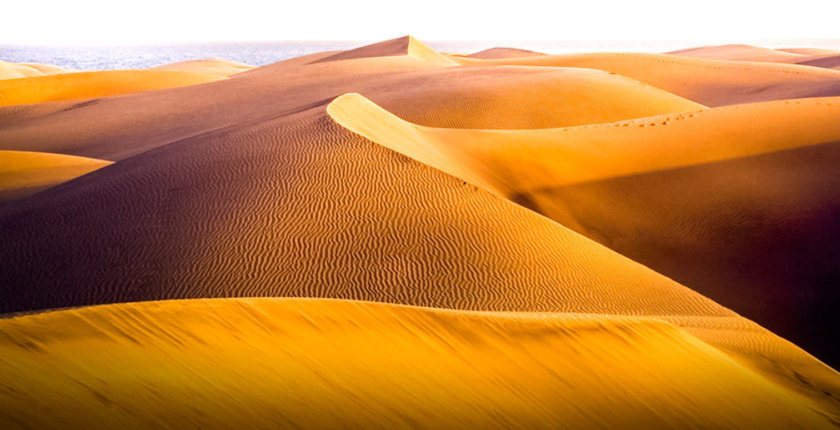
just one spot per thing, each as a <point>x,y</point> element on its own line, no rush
<point>154,21</point>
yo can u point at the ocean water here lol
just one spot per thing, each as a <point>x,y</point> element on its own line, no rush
<point>261,53</point>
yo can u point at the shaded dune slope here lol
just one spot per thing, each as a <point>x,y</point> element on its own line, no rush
<point>707,81</point>
<point>83,85</point>
<point>700,228</point>
<point>321,363</point>
<point>492,97</point>
<point>257,211</point>
<point>25,173</point>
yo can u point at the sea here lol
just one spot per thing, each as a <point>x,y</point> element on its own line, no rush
<point>109,57</point>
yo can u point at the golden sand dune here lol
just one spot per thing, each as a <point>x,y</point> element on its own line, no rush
<point>248,187</point>
<point>401,46</point>
<point>516,162</point>
<point>21,70</point>
<point>503,53</point>
<point>209,66</point>
<point>321,363</point>
<point>299,206</point>
<point>84,85</point>
<point>631,185</point>
<point>707,81</point>
<point>740,53</point>
<point>25,173</point>
<point>486,97</point>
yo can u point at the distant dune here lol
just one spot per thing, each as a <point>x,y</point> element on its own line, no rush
<point>22,70</point>
<point>83,85</point>
<point>740,53</point>
<point>610,227</point>
<point>318,363</point>
<point>492,53</point>
<point>210,66</point>
<point>707,81</point>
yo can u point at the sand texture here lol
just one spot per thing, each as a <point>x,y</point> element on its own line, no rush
<point>394,237</point>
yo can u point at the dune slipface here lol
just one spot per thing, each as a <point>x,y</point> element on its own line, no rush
<point>443,195</point>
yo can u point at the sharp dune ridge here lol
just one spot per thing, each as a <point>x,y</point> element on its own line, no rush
<point>25,173</point>
<point>465,215</point>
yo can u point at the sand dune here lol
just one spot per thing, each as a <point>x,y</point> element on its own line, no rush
<point>84,85</point>
<point>810,51</point>
<point>265,184</point>
<point>489,97</point>
<point>401,46</point>
<point>21,70</point>
<point>740,53</point>
<point>320,363</point>
<point>707,81</point>
<point>830,62</point>
<point>503,53</point>
<point>25,173</point>
<point>209,66</point>
<point>704,243</point>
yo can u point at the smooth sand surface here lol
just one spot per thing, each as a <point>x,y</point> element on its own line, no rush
<point>707,81</point>
<point>209,66</point>
<point>325,363</point>
<point>25,173</point>
<point>86,85</point>
<point>255,186</point>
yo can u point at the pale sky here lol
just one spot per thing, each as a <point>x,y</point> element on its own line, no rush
<point>54,22</point>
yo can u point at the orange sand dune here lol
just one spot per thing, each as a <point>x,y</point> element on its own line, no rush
<point>405,45</point>
<point>298,206</point>
<point>740,53</point>
<point>21,70</point>
<point>706,81</point>
<point>829,62</point>
<point>514,162</point>
<point>503,53</point>
<point>25,173</point>
<point>486,97</point>
<point>323,363</point>
<point>82,85</point>
<point>209,66</point>
<point>702,245</point>
<point>810,51</point>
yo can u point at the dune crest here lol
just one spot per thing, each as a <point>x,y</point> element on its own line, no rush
<point>500,52</point>
<point>401,46</point>
<point>318,363</point>
<point>10,70</point>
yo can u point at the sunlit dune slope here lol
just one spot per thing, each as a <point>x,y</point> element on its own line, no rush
<point>25,173</point>
<point>513,162</point>
<point>322,363</point>
<point>707,81</point>
<point>209,66</point>
<point>21,70</point>
<point>503,53</point>
<point>299,206</point>
<point>477,97</point>
<point>649,168</point>
<point>740,53</point>
<point>400,46</point>
<point>81,85</point>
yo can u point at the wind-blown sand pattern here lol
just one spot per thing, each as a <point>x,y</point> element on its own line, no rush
<point>395,174</point>
<point>317,363</point>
